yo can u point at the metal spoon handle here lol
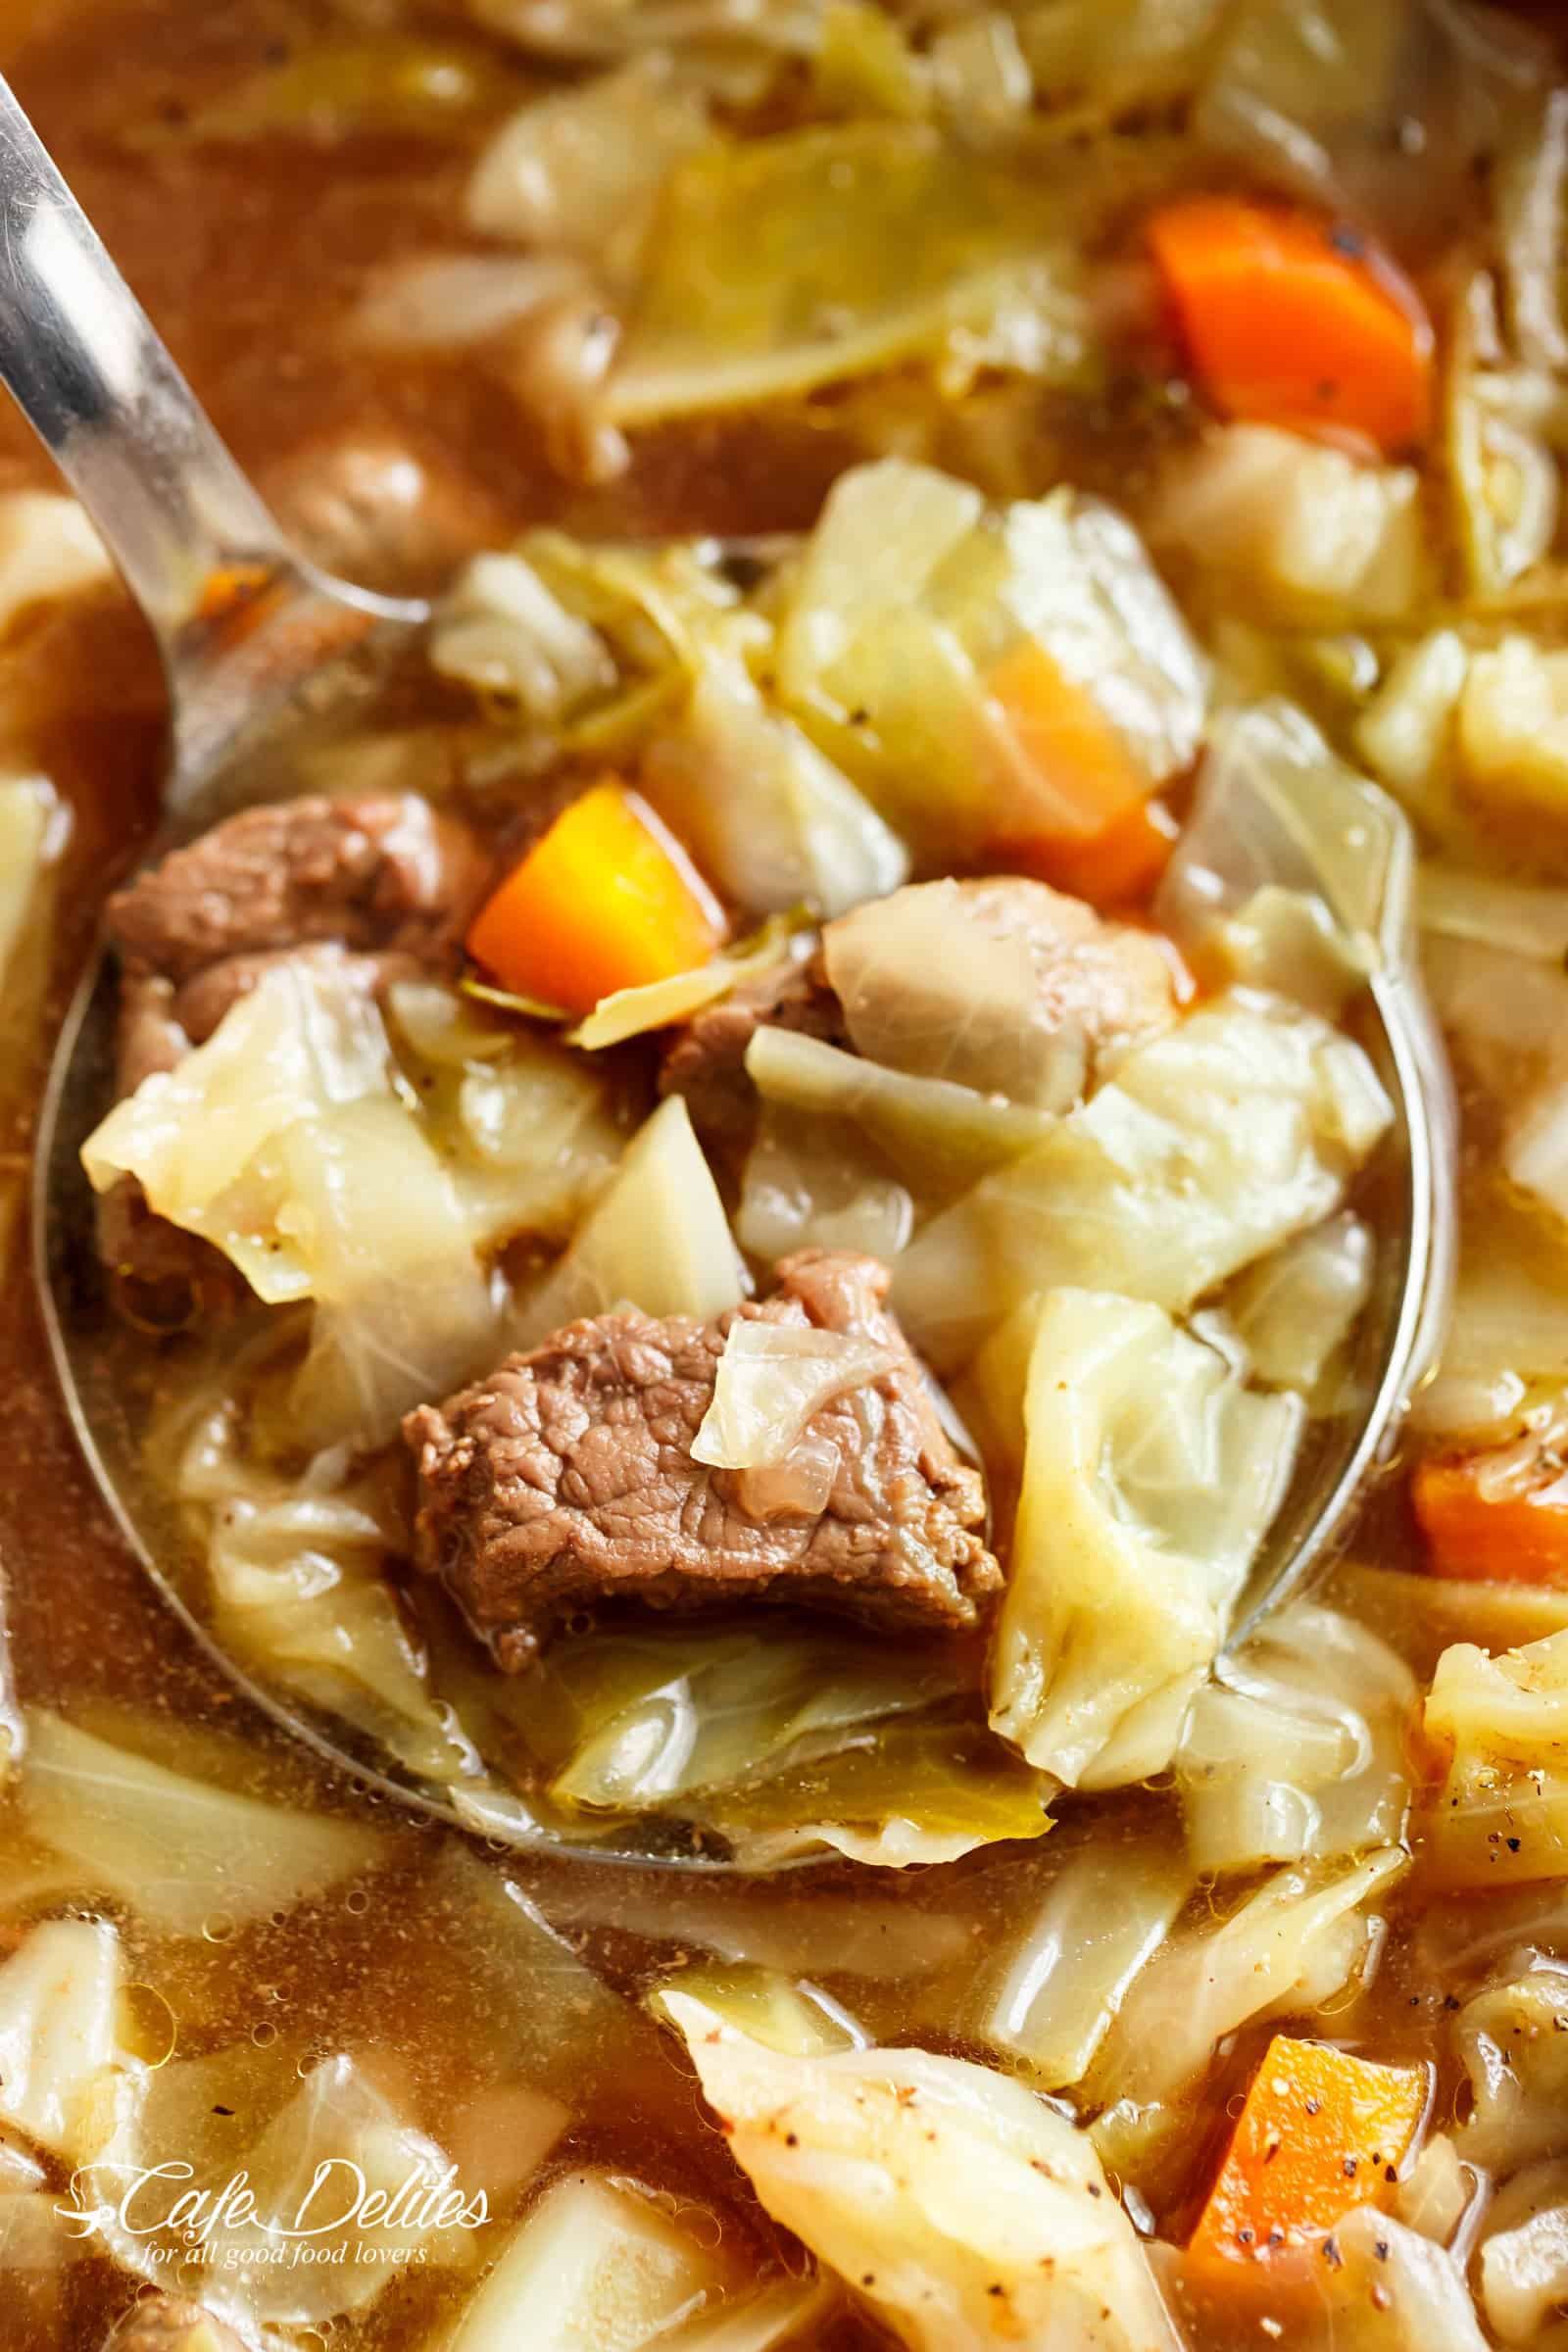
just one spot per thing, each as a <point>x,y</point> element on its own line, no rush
<point>98,386</point>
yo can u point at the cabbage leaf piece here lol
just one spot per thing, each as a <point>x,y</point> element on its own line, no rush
<point>656,1238</point>
<point>1513,2038</point>
<point>181,1851</point>
<point>1151,1474</point>
<point>1501,1812</point>
<point>785,263</point>
<point>1104,1913</point>
<point>66,2079</point>
<point>957,2204</point>
<point>1213,1143</point>
<point>1297,1747</point>
<point>598,2262</point>
<point>1282,1951</point>
<point>284,1142</point>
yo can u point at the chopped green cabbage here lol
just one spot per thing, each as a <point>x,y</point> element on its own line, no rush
<point>1098,58</point>
<point>1524,2257</point>
<point>1282,1951</point>
<point>582,168</point>
<point>890,669</point>
<point>769,2007</point>
<point>767,817</point>
<point>67,2082</point>
<point>1294,1309</point>
<point>771,1379</point>
<point>380,84</point>
<point>181,1852</point>
<point>1500,1814</point>
<point>599,2260</point>
<point>1504,491</point>
<point>1305,533</point>
<point>656,1237</point>
<point>940,1137</point>
<point>785,263</point>
<point>1507,1340</point>
<point>502,631</point>
<point>1407,736</point>
<point>1513,2039</point>
<point>929,2184</point>
<point>1211,1146</point>
<point>815,1181</point>
<point>1151,1474</point>
<point>1104,1914</point>
<point>285,1143</point>
<point>1297,1747</point>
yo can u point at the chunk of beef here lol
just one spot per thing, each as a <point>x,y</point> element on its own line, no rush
<point>1097,987</point>
<point>567,1480</point>
<point>706,1059</point>
<point>170,2324</point>
<point>374,874</point>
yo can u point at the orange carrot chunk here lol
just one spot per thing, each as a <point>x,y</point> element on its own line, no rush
<point>1117,867</point>
<point>1497,1517</point>
<point>606,899</point>
<point>1320,2131</point>
<point>1296,321</point>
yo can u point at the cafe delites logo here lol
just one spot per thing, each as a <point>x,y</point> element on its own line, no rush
<point>341,2218</point>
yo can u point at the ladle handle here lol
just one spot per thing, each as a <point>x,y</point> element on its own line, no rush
<point>98,386</point>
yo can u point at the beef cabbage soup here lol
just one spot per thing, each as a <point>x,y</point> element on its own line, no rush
<point>720,1251</point>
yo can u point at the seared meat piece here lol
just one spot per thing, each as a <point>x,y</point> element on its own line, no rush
<point>894,975</point>
<point>706,1059</point>
<point>170,2324</point>
<point>371,873</point>
<point>567,1480</point>
<point>384,882</point>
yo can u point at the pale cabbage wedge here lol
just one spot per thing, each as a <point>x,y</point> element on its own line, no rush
<point>817,1740</point>
<point>940,1137</point>
<point>813,1178</point>
<point>1294,1309</point>
<point>1213,1143</point>
<point>1513,2039</point>
<point>1151,1474</point>
<point>771,1379</point>
<point>1390,2290</point>
<point>1502,1723</point>
<point>767,817</point>
<point>285,1143</point>
<point>1104,1914</point>
<point>600,2263</point>
<point>883,530</point>
<point>788,2014</point>
<point>945,700</point>
<point>501,630</point>
<point>656,1238</point>
<point>182,1853</point>
<point>296,1566</point>
<point>1524,2258</point>
<point>582,168</point>
<point>790,262</point>
<point>1297,1746</point>
<point>306,2142</point>
<point>67,2082</point>
<point>1302,532</point>
<point>1282,1952</point>
<point>959,2207</point>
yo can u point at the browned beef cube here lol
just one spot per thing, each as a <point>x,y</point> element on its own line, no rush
<point>567,1480</point>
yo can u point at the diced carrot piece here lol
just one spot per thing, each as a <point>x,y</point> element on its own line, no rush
<point>1320,2131</point>
<point>1295,321</point>
<point>1498,1517</point>
<point>1115,868</point>
<point>606,899</point>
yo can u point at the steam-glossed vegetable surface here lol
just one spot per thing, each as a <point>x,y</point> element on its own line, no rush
<point>726,1245</point>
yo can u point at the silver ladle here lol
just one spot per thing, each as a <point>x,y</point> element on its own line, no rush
<point>266,657</point>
